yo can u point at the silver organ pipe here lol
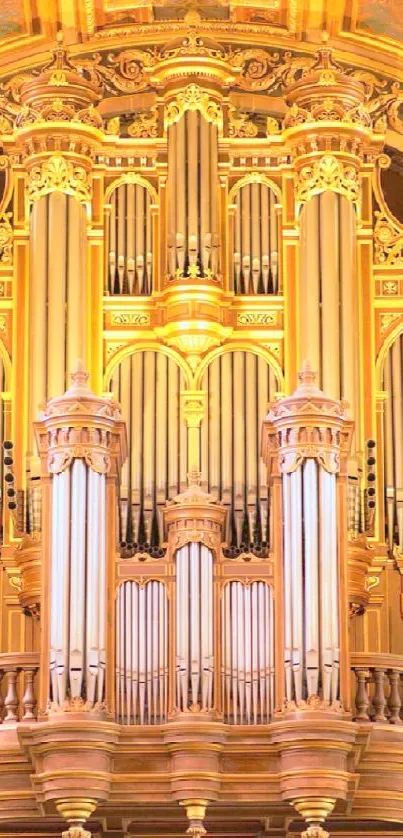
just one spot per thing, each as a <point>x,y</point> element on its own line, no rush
<point>311,646</point>
<point>193,218</point>
<point>194,627</point>
<point>329,321</point>
<point>77,633</point>
<point>130,241</point>
<point>147,386</point>
<point>247,652</point>
<point>3,431</point>
<point>141,653</point>
<point>239,386</point>
<point>256,241</point>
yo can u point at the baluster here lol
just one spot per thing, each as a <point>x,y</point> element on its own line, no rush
<point>11,699</point>
<point>395,701</point>
<point>361,698</point>
<point>379,699</point>
<point>1,696</point>
<point>29,700</point>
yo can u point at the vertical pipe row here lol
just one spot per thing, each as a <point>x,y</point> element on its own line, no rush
<point>239,386</point>
<point>393,454</point>
<point>194,627</point>
<point>256,244</point>
<point>142,653</point>
<point>130,238</point>
<point>311,618</point>
<point>148,386</point>
<point>247,656</point>
<point>192,195</point>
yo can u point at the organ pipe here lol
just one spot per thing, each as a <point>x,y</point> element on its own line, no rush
<point>57,313</point>
<point>148,386</point>
<point>247,653</point>
<point>130,241</point>
<point>194,621</point>
<point>329,313</point>
<point>193,221</point>
<point>239,386</point>
<point>256,241</point>
<point>142,653</point>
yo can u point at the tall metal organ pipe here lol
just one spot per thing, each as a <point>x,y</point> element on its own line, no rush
<point>77,629</point>
<point>329,325</point>
<point>194,627</point>
<point>193,218</point>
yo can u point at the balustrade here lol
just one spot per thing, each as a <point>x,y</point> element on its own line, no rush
<point>378,688</point>
<point>18,699</point>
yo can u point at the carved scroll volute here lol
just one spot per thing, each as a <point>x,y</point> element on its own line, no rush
<point>194,515</point>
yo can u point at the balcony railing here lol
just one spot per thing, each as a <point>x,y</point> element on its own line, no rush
<point>17,686</point>
<point>378,687</point>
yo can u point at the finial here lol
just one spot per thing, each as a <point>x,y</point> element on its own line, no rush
<point>194,477</point>
<point>79,376</point>
<point>60,37</point>
<point>307,376</point>
<point>324,36</point>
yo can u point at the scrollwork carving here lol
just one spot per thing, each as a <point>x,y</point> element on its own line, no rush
<point>194,98</point>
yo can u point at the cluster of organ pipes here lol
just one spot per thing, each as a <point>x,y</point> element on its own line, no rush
<point>147,385</point>
<point>256,241</point>
<point>194,627</point>
<point>239,386</point>
<point>247,656</point>
<point>130,241</point>
<point>142,653</point>
<point>193,219</point>
<point>311,618</point>
<point>78,614</point>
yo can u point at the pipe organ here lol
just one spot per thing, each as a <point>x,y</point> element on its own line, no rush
<point>256,241</point>
<point>210,559</point>
<point>130,241</point>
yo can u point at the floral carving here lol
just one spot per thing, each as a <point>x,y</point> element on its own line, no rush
<point>6,239</point>
<point>327,173</point>
<point>388,239</point>
<point>59,174</point>
<point>194,98</point>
